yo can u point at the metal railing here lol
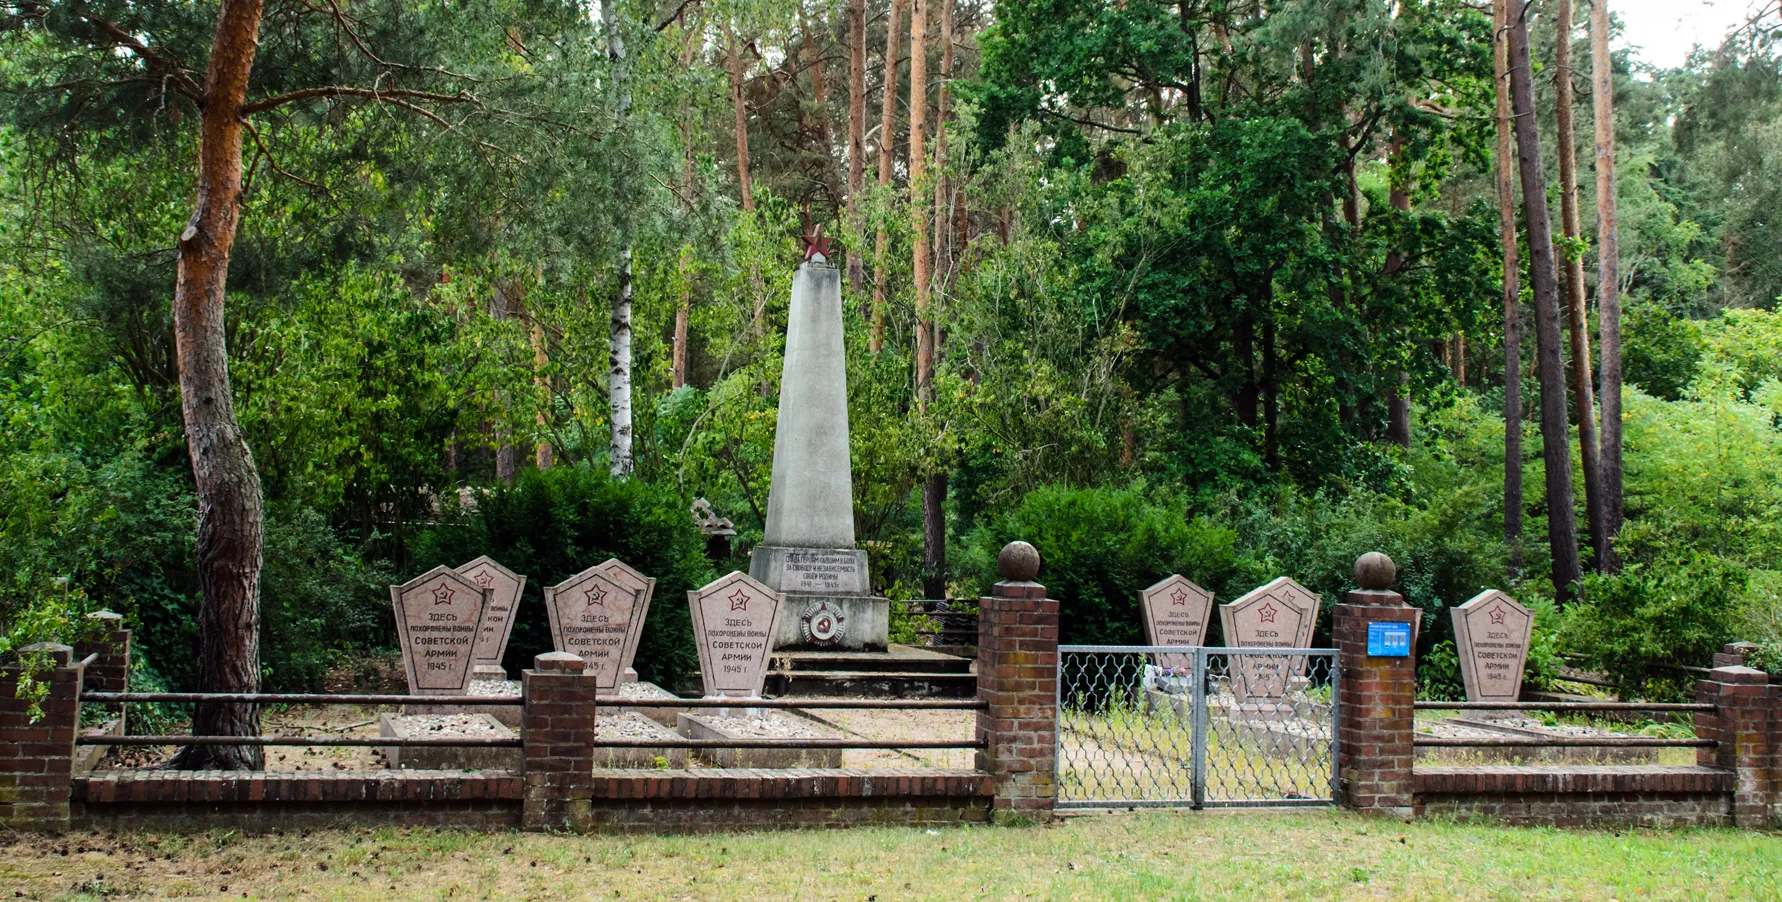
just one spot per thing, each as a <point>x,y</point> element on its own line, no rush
<point>1178,726</point>
<point>603,701</point>
<point>1603,741</point>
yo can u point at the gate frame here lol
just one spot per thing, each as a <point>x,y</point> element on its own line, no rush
<point>1197,779</point>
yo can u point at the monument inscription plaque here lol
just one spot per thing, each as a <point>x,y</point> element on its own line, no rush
<point>1280,614</point>
<point>438,617</point>
<point>498,618</point>
<point>591,616</point>
<point>733,626</point>
<point>1491,636</point>
<point>629,578</point>
<point>1176,613</point>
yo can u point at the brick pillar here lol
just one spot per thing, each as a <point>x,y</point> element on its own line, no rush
<point>110,671</point>
<point>37,756</point>
<point>1745,725</point>
<point>1018,680</point>
<point>1733,654</point>
<point>1375,726</point>
<point>557,727</point>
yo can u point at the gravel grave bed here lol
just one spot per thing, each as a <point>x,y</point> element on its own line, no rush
<point>632,725</point>
<point>494,688</point>
<point>770,726</point>
<point>455,725</point>
<point>1448,729</point>
<point>642,690</point>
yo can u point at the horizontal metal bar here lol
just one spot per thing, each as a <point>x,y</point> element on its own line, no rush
<point>616,701</point>
<point>1191,649</point>
<point>1643,742</point>
<point>473,741</point>
<point>1563,706</point>
<point>833,704</point>
<point>297,698</point>
<point>1126,803</point>
<point>782,744</point>
<point>1111,804</point>
<point>1268,803</point>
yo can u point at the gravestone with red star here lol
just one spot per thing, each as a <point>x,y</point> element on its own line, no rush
<point>498,619</point>
<point>438,617</point>
<point>1280,614</point>
<point>1176,612</point>
<point>1491,636</point>
<point>591,614</point>
<point>644,587</point>
<point>733,624</point>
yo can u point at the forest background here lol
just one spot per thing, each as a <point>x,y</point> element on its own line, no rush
<point>1212,287</point>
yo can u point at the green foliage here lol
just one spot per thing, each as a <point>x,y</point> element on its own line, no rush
<point>550,525</point>
<point>1098,548</point>
<point>1640,625</point>
<point>1660,350</point>
<point>318,600</point>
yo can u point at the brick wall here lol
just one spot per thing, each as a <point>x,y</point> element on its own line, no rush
<point>258,801</point>
<point>1746,727</point>
<point>1018,680</point>
<point>37,753</point>
<point>557,726</point>
<point>1374,729</point>
<point>1573,796</point>
<point>719,800</point>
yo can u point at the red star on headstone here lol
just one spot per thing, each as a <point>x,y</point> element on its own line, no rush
<point>484,578</point>
<point>739,601</point>
<point>1266,613</point>
<point>1178,598</point>
<point>595,596</point>
<point>442,594</point>
<point>1497,613</point>
<point>815,244</point>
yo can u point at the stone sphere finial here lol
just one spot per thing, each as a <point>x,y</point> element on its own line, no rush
<point>1019,562</point>
<point>1375,571</point>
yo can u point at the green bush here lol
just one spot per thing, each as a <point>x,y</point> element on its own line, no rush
<point>1640,625</point>
<point>552,524</point>
<point>1098,549</point>
<point>318,600</point>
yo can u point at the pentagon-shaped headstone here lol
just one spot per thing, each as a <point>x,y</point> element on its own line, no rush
<point>1491,636</point>
<point>498,620</point>
<point>733,625</point>
<point>1280,614</point>
<point>591,616</point>
<point>645,587</point>
<point>438,617</point>
<point>1176,613</point>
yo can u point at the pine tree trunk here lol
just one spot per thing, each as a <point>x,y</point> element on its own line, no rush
<point>1608,284</point>
<point>1398,390</point>
<point>856,138</point>
<point>618,382</point>
<point>740,102</point>
<point>230,511</point>
<point>683,307</point>
<point>933,494</point>
<point>1562,526</point>
<point>507,461</point>
<point>1506,220</point>
<point>544,456</point>
<point>1578,318</point>
<point>887,158</point>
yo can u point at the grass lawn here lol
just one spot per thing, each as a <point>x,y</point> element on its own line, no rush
<point>1315,855</point>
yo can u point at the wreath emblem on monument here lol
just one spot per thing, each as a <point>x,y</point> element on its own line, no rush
<point>822,624</point>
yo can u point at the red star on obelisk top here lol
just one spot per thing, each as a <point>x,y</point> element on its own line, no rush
<point>484,578</point>
<point>595,596</point>
<point>1178,598</point>
<point>442,594</point>
<point>739,601</point>
<point>816,245</point>
<point>1266,613</point>
<point>1497,613</point>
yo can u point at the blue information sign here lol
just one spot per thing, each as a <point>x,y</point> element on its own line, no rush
<point>1389,640</point>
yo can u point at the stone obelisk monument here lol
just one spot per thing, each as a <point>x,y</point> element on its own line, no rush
<point>808,551</point>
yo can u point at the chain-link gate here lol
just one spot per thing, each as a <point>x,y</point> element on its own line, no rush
<point>1161,726</point>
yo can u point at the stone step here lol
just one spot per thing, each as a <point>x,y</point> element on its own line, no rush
<point>913,661</point>
<point>870,684</point>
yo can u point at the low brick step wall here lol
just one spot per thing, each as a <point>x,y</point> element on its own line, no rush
<point>257,801</point>
<point>1651,795</point>
<point>740,798</point>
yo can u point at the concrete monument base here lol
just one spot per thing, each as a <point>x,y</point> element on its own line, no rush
<point>867,623</point>
<point>828,602</point>
<point>815,571</point>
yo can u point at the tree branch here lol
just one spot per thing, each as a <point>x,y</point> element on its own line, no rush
<point>180,76</point>
<point>395,96</point>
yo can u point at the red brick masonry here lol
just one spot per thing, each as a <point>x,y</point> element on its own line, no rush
<point>625,800</point>
<point>1579,796</point>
